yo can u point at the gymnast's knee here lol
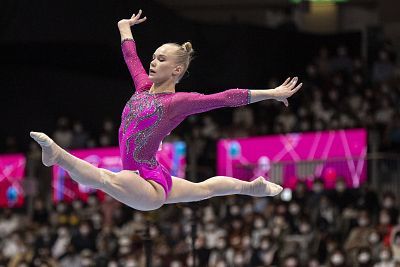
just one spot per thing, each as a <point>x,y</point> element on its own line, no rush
<point>204,190</point>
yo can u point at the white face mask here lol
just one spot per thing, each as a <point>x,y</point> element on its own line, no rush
<point>364,257</point>
<point>246,241</point>
<point>259,223</point>
<point>238,260</point>
<point>236,224</point>
<point>388,203</point>
<point>294,209</point>
<point>62,232</point>
<point>235,210</point>
<point>384,219</point>
<point>221,244</point>
<point>61,208</point>
<point>384,255</point>
<point>340,187</point>
<point>317,188</point>
<point>373,238</point>
<point>131,263</point>
<point>363,222</point>
<point>265,245</point>
<point>77,205</point>
<point>304,228</point>
<point>210,227</point>
<point>248,209</point>
<point>84,229</point>
<point>337,259</point>
<point>92,201</point>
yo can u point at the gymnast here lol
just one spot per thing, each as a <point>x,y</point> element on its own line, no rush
<point>152,112</point>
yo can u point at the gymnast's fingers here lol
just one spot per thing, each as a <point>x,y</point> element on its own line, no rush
<point>297,88</point>
<point>286,81</point>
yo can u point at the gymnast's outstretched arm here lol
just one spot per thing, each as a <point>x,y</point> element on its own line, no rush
<point>185,104</point>
<point>128,46</point>
<point>280,93</point>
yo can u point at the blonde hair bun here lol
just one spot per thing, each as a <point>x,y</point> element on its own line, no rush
<point>188,47</point>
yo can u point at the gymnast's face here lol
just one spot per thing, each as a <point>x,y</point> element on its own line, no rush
<point>163,65</point>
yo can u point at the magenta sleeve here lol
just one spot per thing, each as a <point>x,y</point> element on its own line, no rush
<point>139,75</point>
<point>184,104</point>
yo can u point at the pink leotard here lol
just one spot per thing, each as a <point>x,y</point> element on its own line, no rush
<point>147,118</point>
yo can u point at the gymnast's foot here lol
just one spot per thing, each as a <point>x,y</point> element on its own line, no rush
<point>50,150</point>
<point>261,188</point>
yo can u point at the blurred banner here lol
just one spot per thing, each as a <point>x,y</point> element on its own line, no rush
<point>12,171</point>
<point>172,156</point>
<point>288,158</point>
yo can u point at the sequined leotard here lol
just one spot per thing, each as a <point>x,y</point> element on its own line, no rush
<point>147,118</point>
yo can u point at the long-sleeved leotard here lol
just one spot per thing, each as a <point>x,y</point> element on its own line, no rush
<point>147,118</point>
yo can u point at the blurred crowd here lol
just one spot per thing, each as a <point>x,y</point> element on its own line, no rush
<point>314,227</point>
<point>340,91</point>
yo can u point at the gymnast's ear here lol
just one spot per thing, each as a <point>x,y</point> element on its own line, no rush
<point>177,70</point>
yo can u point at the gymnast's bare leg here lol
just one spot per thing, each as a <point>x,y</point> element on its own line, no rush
<point>186,191</point>
<point>136,192</point>
<point>125,186</point>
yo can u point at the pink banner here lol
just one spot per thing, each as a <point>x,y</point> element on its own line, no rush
<point>172,156</point>
<point>287,158</point>
<point>12,171</point>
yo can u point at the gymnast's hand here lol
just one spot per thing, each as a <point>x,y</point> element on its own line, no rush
<point>286,90</point>
<point>135,19</point>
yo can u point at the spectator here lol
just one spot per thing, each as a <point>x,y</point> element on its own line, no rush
<point>79,136</point>
<point>383,69</point>
<point>63,134</point>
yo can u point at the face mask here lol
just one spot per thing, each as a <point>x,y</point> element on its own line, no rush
<point>363,257</point>
<point>131,263</point>
<point>318,188</point>
<point>239,260</point>
<point>221,244</point>
<point>235,210</point>
<point>384,255</point>
<point>384,219</point>
<point>340,187</point>
<point>86,262</point>
<point>259,223</point>
<point>92,201</point>
<point>124,250</point>
<point>279,221</point>
<point>291,263</point>
<point>77,205</point>
<point>61,208</point>
<point>304,228</point>
<point>363,222</point>
<point>294,209</point>
<point>62,232</point>
<point>210,227</point>
<point>337,259</point>
<point>246,241</point>
<point>373,238</point>
<point>96,218</point>
<point>387,203</point>
<point>265,245</point>
<point>84,230</point>
<point>248,209</point>
<point>236,224</point>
